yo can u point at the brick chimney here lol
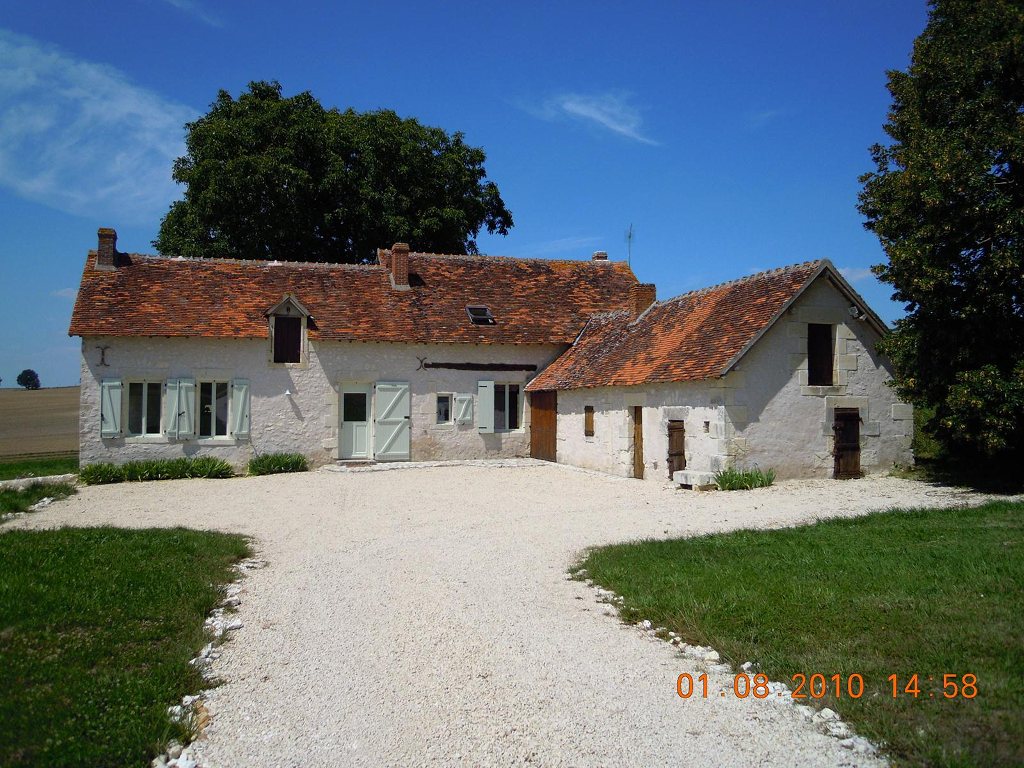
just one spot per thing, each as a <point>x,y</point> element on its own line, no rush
<point>106,251</point>
<point>400,266</point>
<point>599,256</point>
<point>641,296</point>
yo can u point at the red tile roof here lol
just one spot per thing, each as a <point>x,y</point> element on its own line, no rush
<point>694,336</point>
<point>533,300</point>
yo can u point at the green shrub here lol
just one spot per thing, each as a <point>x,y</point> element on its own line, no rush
<point>272,463</point>
<point>155,469</point>
<point>744,479</point>
<point>210,466</point>
<point>98,474</point>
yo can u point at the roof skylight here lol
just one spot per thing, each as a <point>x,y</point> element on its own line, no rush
<point>480,315</point>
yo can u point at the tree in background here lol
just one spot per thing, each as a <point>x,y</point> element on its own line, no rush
<point>947,203</point>
<point>28,379</point>
<point>268,177</point>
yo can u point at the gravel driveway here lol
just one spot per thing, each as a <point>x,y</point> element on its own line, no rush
<point>422,617</point>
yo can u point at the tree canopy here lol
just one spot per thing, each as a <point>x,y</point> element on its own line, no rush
<point>28,379</point>
<point>273,177</point>
<point>947,203</point>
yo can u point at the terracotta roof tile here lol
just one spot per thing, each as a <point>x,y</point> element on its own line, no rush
<point>533,300</point>
<point>688,338</point>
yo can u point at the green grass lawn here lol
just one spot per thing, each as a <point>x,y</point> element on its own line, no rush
<point>97,626</point>
<point>920,592</point>
<point>19,500</point>
<point>38,467</point>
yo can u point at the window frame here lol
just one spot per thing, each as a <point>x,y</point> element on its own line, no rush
<point>450,396</point>
<point>213,418</point>
<point>821,355</point>
<point>588,421</point>
<point>126,413</point>
<point>504,385</point>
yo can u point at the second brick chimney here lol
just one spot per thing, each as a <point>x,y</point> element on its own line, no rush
<point>400,266</point>
<point>106,251</point>
<point>599,256</point>
<point>641,296</point>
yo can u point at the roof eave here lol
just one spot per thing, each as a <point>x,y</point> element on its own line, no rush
<point>839,281</point>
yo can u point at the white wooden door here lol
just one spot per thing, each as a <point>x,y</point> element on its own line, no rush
<point>355,422</point>
<point>391,425</point>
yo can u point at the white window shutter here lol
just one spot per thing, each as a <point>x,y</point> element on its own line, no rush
<point>463,409</point>
<point>171,408</point>
<point>240,408</point>
<point>186,409</point>
<point>110,407</point>
<point>485,406</point>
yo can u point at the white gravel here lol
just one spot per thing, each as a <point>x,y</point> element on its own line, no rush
<point>423,617</point>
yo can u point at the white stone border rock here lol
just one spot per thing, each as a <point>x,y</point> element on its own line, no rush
<point>827,720</point>
<point>192,709</point>
<point>23,482</point>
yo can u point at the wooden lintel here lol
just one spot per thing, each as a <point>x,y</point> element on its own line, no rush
<point>483,366</point>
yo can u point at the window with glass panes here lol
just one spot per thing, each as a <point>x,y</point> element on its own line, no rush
<point>506,407</point>
<point>144,400</point>
<point>213,409</point>
<point>444,409</point>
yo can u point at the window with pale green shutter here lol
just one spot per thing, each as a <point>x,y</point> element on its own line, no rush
<point>144,405</point>
<point>213,408</point>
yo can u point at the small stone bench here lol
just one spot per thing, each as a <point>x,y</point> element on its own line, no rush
<point>699,481</point>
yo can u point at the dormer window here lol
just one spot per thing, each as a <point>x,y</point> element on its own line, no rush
<point>480,315</point>
<point>289,323</point>
<point>287,339</point>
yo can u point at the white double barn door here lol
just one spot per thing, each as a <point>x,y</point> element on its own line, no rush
<point>375,421</point>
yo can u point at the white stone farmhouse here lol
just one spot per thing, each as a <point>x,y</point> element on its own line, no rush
<point>424,356</point>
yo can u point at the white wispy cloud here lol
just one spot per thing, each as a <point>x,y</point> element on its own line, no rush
<point>613,111</point>
<point>856,274</point>
<point>81,137</point>
<point>65,293</point>
<point>762,117</point>
<point>192,8</point>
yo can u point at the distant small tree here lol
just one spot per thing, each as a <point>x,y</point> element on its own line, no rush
<point>28,379</point>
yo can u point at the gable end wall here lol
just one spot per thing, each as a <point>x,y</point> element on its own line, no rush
<point>762,414</point>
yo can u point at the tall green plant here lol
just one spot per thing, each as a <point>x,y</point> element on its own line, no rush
<point>274,177</point>
<point>946,200</point>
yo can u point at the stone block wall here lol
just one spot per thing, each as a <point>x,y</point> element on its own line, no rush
<point>306,420</point>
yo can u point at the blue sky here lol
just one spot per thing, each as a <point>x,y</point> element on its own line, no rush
<point>729,134</point>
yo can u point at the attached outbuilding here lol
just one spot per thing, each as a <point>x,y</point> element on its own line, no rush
<point>778,370</point>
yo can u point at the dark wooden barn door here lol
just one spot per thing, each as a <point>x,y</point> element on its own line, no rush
<point>543,421</point>
<point>638,442</point>
<point>847,443</point>
<point>676,444</point>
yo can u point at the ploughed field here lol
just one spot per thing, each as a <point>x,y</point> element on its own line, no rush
<point>38,422</point>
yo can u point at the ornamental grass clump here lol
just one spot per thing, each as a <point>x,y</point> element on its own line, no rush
<point>274,463</point>
<point>156,469</point>
<point>744,479</point>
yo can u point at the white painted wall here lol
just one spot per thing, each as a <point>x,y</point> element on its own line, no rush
<point>762,413</point>
<point>307,421</point>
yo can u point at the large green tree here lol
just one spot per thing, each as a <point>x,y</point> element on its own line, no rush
<point>947,203</point>
<point>273,177</point>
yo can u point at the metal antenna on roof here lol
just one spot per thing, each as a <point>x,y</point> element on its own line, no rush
<point>629,245</point>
